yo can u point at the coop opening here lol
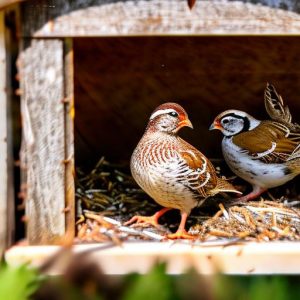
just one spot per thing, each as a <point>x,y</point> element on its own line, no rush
<point>119,82</point>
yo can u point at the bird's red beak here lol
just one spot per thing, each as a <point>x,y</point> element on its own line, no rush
<point>184,123</point>
<point>216,125</point>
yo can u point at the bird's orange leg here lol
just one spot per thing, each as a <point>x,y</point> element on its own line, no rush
<point>181,232</point>
<point>257,191</point>
<point>145,221</point>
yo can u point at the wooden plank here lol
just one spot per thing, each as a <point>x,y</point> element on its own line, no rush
<point>69,139</point>
<point>249,258</point>
<point>3,136</point>
<point>43,149</point>
<point>154,17</point>
<point>7,222</point>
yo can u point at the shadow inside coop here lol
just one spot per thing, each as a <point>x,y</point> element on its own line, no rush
<point>120,81</point>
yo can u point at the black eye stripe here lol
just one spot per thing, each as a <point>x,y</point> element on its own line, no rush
<point>245,119</point>
<point>234,115</point>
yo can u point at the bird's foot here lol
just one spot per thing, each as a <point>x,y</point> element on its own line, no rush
<point>257,191</point>
<point>180,234</point>
<point>143,221</point>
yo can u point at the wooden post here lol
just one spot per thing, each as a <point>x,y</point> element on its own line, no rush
<point>43,150</point>
<point>6,157</point>
<point>69,137</point>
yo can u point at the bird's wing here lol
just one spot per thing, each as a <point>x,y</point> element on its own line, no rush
<point>206,182</point>
<point>203,176</point>
<point>270,142</point>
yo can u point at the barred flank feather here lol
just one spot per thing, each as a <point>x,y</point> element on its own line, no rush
<point>294,165</point>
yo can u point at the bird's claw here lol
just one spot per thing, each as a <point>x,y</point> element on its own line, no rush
<point>142,221</point>
<point>181,234</point>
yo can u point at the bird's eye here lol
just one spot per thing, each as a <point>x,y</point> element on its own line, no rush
<point>226,121</point>
<point>173,114</point>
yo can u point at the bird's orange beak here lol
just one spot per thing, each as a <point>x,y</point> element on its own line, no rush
<point>185,122</point>
<point>215,125</point>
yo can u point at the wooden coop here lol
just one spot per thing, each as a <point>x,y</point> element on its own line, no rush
<point>90,74</point>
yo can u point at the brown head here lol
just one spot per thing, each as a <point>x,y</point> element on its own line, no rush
<point>168,117</point>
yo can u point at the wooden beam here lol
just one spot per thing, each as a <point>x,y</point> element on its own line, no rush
<point>69,112</point>
<point>7,221</point>
<point>43,150</point>
<point>71,18</point>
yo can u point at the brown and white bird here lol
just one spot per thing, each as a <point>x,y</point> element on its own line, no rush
<point>264,153</point>
<point>174,173</point>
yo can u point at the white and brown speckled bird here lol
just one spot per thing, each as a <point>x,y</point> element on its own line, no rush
<point>174,173</point>
<point>264,153</point>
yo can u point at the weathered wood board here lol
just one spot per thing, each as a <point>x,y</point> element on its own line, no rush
<point>154,17</point>
<point>43,149</point>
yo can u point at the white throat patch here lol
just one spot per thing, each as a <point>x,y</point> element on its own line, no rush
<point>161,112</point>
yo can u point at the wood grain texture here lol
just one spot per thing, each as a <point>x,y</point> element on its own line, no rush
<point>7,223</point>
<point>153,17</point>
<point>43,150</point>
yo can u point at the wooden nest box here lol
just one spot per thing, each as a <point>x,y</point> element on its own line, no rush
<point>92,71</point>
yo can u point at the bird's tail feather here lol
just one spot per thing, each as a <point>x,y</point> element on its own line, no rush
<point>224,186</point>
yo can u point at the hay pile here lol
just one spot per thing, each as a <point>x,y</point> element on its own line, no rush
<point>108,196</point>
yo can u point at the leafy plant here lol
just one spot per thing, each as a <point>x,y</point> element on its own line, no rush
<point>18,283</point>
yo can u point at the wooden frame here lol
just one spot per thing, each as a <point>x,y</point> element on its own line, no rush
<point>47,82</point>
<point>154,17</point>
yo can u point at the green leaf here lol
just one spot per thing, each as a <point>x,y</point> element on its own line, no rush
<point>269,288</point>
<point>18,283</point>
